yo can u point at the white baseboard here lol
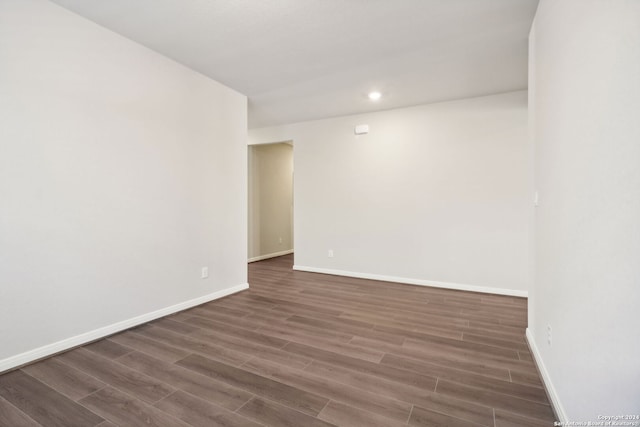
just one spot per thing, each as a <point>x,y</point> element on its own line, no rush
<point>419,282</point>
<point>273,255</point>
<point>546,379</point>
<point>68,343</point>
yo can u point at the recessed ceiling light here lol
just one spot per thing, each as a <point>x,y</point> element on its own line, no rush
<point>374,96</point>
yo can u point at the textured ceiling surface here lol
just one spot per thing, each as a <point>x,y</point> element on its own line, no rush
<point>301,60</point>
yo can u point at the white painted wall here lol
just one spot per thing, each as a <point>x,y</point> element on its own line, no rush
<point>587,139</point>
<point>270,200</point>
<point>122,173</point>
<point>435,193</point>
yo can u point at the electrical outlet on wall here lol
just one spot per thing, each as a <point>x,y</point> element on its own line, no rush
<point>549,334</point>
<point>204,272</point>
<point>280,240</point>
<point>330,253</point>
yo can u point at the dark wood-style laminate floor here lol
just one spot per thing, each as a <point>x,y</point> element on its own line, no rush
<point>298,349</point>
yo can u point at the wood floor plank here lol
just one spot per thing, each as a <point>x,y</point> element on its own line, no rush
<point>508,419</point>
<point>496,327</point>
<point>174,326</point>
<point>221,393</point>
<point>505,336</point>
<point>193,345</point>
<point>339,320</point>
<point>138,385</point>
<point>261,317</point>
<point>272,414</point>
<point>289,332</point>
<point>241,322</point>
<point>390,318</point>
<point>395,301</point>
<point>242,304</point>
<point>42,403</point>
<point>146,345</point>
<point>457,408</point>
<point>400,358</point>
<point>344,415</point>
<point>198,412</point>
<point>335,301</point>
<point>519,302</point>
<point>221,309</point>
<point>252,349</point>
<point>370,383</point>
<point>468,360</point>
<point>10,416</point>
<point>480,339</point>
<point>374,344</point>
<point>122,409</point>
<point>529,378</point>
<point>496,400</point>
<point>340,392</point>
<point>500,386</point>
<point>407,330</point>
<point>344,348</point>
<point>422,319</point>
<point>237,332</point>
<point>306,402</point>
<point>298,306</point>
<point>425,417</point>
<point>339,325</point>
<point>525,355</point>
<point>107,348</point>
<point>388,372</point>
<point>63,378</point>
<point>464,347</point>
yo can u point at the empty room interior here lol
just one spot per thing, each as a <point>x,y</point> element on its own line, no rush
<point>319,213</point>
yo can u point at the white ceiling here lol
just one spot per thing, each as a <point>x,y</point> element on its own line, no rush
<point>300,60</point>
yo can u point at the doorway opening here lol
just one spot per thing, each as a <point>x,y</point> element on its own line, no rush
<point>270,232</point>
